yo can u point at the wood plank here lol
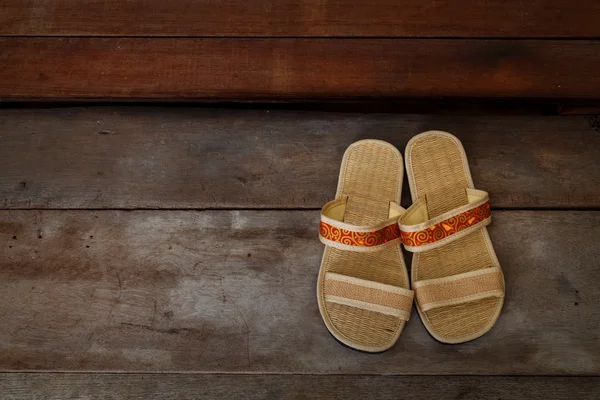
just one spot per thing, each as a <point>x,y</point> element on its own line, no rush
<point>286,68</point>
<point>151,157</point>
<point>234,291</point>
<point>46,386</point>
<point>406,18</point>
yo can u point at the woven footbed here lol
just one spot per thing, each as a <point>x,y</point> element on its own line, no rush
<point>371,178</point>
<point>437,168</point>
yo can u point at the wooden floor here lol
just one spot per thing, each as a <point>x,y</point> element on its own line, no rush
<point>184,240</point>
<point>163,164</point>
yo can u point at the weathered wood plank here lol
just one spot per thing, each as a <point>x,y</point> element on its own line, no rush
<point>472,18</point>
<point>147,157</point>
<point>287,68</point>
<point>16,386</point>
<point>234,291</point>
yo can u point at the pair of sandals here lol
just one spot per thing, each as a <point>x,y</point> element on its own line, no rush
<point>363,287</point>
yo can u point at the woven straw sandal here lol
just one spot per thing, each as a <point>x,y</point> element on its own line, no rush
<point>363,283</point>
<point>458,283</point>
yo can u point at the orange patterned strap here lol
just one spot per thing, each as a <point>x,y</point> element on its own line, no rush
<point>368,295</point>
<point>419,233</point>
<point>459,289</point>
<point>336,233</point>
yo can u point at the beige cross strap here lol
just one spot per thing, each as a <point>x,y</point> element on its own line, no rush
<point>458,289</point>
<point>368,295</point>
<point>419,233</point>
<point>336,233</point>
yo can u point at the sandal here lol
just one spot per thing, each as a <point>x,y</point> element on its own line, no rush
<point>458,282</point>
<point>363,286</point>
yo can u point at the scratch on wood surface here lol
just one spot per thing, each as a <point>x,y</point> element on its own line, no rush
<point>120,282</point>
<point>594,122</point>
<point>247,330</point>
<point>98,196</point>
<point>154,312</point>
<point>170,331</point>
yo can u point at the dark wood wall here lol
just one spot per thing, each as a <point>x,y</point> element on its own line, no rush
<point>298,49</point>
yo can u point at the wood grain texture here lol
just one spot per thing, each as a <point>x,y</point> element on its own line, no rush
<point>234,291</point>
<point>406,18</point>
<point>285,68</point>
<point>149,157</point>
<point>38,386</point>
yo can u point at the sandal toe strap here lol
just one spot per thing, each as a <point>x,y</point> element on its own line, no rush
<point>368,295</point>
<point>459,289</point>
<point>341,235</point>
<point>420,233</point>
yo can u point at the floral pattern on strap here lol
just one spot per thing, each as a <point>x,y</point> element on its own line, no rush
<point>366,239</point>
<point>447,227</point>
